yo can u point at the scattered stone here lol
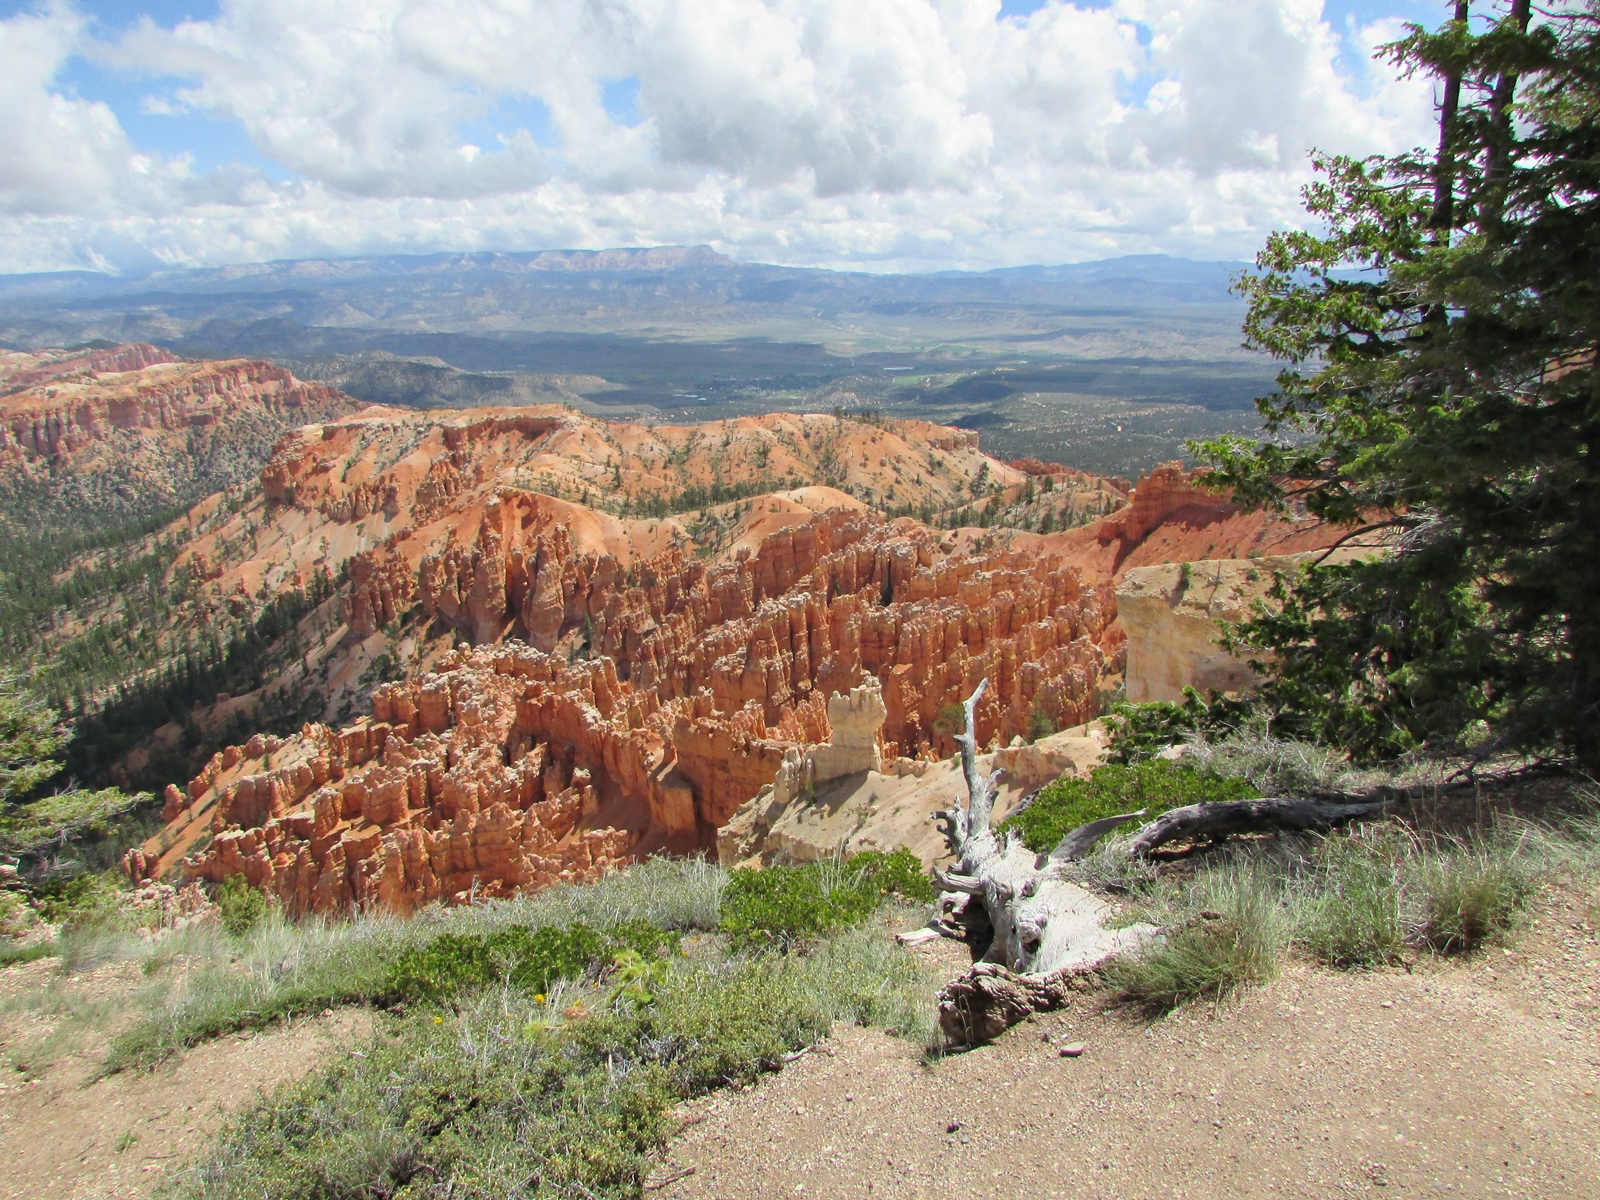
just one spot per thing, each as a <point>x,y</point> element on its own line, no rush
<point>1073,1049</point>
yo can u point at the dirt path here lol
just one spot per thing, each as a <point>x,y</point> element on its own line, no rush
<point>65,1136</point>
<point>1464,1080</point>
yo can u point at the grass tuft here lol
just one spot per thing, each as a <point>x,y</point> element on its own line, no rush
<point>1470,895</point>
<point>1352,912</point>
<point>1227,933</point>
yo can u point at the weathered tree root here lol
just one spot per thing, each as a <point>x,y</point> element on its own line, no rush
<point>1039,935</point>
<point>989,999</point>
<point>1033,929</point>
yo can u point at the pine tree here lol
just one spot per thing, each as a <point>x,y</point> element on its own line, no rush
<point>1441,395</point>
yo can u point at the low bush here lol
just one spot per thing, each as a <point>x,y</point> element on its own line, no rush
<point>1282,766</point>
<point>898,873</point>
<point>80,902</point>
<point>456,1104</point>
<point>281,968</point>
<point>1154,785</point>
<point>530,960</point>
<point>1142,731</point>
<point>241,905</point>
<point>781,905</point>
<point>32,952</point>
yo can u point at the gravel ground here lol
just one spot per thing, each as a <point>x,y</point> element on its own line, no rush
<point>68,1134</point>
<point>1463,1079</point>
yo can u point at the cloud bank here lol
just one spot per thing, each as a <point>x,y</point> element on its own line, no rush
<point>889,134</point>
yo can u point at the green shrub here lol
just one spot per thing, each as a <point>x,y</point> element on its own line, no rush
<point>1155,786</point>
<point>527,959</point>
<point>781,905</point>
<point>11,955</point>
<point>898,873</point>
<point>455,1105</point>
<point>88,901</point>
<point>242,905</point>
<point>1141,731</point>
<point>283,968</point>
<point>1040,724</point>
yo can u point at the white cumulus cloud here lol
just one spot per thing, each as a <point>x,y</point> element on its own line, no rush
<point>892,133</point>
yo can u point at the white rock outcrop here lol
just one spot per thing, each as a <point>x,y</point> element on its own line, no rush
<point>853,745</point>
<point>1173,616</point>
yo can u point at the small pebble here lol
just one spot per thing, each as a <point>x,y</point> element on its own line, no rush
<point>952,1127</point>
<point>1073,1049</point>
<point>1388,1004</point>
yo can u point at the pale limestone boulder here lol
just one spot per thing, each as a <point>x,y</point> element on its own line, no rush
<point>1173,616</point>
<point>852,745</point>
<point>865,810</point>
<point>1076,751</point>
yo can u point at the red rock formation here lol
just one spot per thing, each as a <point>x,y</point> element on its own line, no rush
<point>489,775</point>
<point>37,420</point>
<point>382,586</point>
<point>1164,492</point>
<point>452,790</point>
<point>1034,466</point>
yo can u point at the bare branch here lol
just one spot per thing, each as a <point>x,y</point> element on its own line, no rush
<point>1219,820</point>
<point>1079,842</point>
<point>952,882</point>
<point>981,800</point>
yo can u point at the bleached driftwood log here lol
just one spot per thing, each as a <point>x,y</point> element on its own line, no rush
<point>1043,933</point>
<point>1043,930</point>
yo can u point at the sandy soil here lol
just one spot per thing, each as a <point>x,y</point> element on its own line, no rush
<point>1473,1079</point>
<point>67,1133</point>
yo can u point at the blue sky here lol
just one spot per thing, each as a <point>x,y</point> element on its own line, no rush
<point>870,132</point>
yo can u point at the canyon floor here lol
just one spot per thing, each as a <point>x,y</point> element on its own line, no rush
<point>1467,1079</point>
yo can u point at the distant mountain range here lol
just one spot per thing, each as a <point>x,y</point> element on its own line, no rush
<point>1035,356</point>
<point>687,289</point>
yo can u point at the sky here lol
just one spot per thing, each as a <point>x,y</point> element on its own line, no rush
<point>864,134</point>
